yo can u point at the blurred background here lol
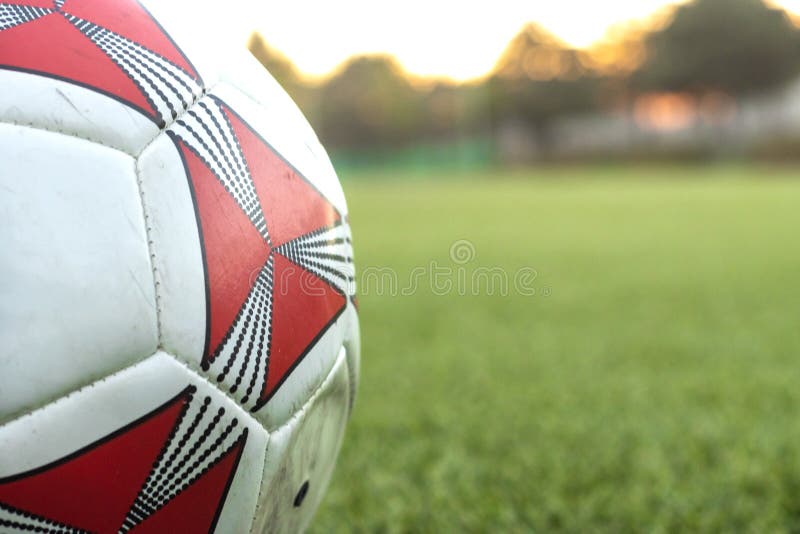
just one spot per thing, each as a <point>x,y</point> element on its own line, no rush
<point>576,230</point>
<point>707,80</point>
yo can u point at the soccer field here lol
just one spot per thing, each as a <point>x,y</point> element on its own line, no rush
<point>652,382</point>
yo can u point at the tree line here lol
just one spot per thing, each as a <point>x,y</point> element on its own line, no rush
<point>735,47</point>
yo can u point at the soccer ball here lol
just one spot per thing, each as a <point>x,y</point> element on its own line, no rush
<point>178,331</point>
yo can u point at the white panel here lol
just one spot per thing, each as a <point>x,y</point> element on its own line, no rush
<point>177,256</point>
<point>304,449</point>
<point>132,395</point>
<point>60,106</point>
<point>76,287</point>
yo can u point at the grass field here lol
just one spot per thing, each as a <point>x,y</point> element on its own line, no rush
<point>652,383</point>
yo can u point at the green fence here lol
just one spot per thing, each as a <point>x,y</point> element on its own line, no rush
<point>451,156</point>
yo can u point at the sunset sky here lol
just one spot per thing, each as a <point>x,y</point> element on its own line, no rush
<point>449,38</point>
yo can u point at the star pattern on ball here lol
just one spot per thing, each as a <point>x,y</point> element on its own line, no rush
<point>169,469</point>
<point>277,254</point>
<point>115,48</point>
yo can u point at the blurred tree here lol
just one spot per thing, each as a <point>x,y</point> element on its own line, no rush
<point>276,63</point>
<point>534,54</point>
<point>737,46</point>
<point>369,102</point>
<point>284,72</point>
<point>537,79</point>
<point>451,110</point>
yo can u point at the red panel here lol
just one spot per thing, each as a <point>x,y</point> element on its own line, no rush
<point>292,207</point>
<point>303,306</point>
<point>195,509</point>
<point>54,46</point>
<point>235,251</point>
<point>32,3</point>
<point>130,20</point>
<point>94,489</point>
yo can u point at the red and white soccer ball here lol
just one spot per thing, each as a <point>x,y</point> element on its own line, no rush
<point>178,333</point>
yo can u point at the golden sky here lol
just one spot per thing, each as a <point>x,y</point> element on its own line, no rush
<point>451,38</point>
<point>455,38</point>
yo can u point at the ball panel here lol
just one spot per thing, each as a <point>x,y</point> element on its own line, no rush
<point>129,17</point>
<point>274,116</point>
<point>152,446</point>
<point>60,106</point>
<point>276,257</point>
<point>77,297</point>
<point>302,455</point>
<point>177,256</point>
<point>118,51</point>
<point>306,377</point>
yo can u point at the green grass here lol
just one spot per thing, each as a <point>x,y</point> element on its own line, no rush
<point>651,384</point>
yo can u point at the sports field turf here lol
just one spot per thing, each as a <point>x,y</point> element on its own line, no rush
<point>652,383</point>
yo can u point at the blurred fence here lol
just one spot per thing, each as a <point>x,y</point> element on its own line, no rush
<point>446,156</point>
<point>672,126</point>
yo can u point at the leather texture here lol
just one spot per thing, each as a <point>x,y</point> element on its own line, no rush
<point>78,300</point>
